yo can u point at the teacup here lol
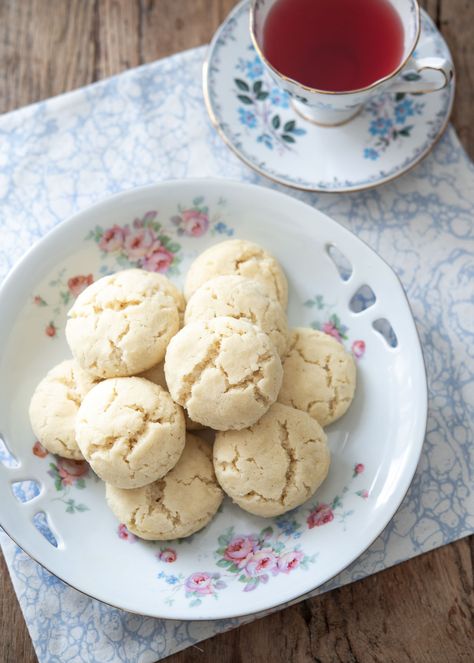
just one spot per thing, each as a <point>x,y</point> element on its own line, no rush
<point>413,75</point>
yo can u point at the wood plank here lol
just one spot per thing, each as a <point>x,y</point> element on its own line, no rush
<point>456,22</point>
<point>169,26</point>
<point>455,19</point>
<point>117,37</point>
<point>45,48</point>
<point>15,641</point>
<point>420,611</point>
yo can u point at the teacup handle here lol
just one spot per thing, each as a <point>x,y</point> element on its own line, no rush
<point>419,77</point>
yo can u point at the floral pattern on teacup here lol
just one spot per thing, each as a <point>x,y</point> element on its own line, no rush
<point>264,107</point>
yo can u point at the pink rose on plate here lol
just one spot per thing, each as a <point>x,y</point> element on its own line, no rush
<point>39,450</point>
<point>51,330</point>
<point>158,261</point>
<point>239,550</point>
<point>77,284</point>
<point>289,561</point>
<point>125,534</point>
<point>200,582</point>
<point>167,555</point>
<point>71,470</point>
<point>321,515</point>
<point>194,223</point>
<point>358,469</point>
<point>331,329</point>
<point>140,243</point>
<point>261,562</point>
<point>358,349</point>
<point>113,239</point>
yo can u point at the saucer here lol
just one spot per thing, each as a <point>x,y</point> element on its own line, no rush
<point>390,135</point>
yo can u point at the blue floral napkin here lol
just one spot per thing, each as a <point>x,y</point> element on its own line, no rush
<point>150,124</point>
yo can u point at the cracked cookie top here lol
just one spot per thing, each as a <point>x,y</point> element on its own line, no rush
<point>225,372</point>
<point>275,465</point>
<point>130,431</point>
<point>238,256</point>
<point>319,376</point>
<point>240,298</point>
<point>54,406</point>
<point>156,374</point>
<point>177,505</point>
<point>121,324</point>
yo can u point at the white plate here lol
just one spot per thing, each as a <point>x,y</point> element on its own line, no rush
<point>391,134</point>
<point>375,446</point>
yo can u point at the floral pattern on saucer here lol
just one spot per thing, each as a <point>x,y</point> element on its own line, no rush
<point>391,121</point>
<point>255,118</point>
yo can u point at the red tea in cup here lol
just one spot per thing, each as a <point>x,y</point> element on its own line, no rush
<point>334,45</point>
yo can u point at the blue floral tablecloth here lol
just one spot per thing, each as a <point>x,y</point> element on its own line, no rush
<point>150,124</point>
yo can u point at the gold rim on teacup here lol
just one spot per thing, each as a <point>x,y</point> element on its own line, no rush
<point>334,108</point>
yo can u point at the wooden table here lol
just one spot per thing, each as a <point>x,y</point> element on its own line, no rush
<point>420,611</point>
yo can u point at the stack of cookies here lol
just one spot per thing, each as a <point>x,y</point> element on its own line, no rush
<point>147,368</point>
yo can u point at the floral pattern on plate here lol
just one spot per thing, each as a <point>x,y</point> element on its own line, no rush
<point>144,242</point>
<point>196,587</point>
<point>254,559</point>
<point>67,290</point>
<point>196,219</point>
<point>125,534</point>
<point>67,474</point>
<point>331,324</point>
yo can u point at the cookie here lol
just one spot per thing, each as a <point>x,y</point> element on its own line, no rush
<point>179,504</point>
<point>121,324</point>
<point>238,256</point>
<point>84,381</point>
<point>156,374</point>
<point>275,465</point>
<point>130,431</point>
<point>54,406</point>
<point>319,376</point>
<point>241,298</point>
<point>225,372</point>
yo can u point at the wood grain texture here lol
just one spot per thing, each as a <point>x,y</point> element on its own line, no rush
<point>418,612</point>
